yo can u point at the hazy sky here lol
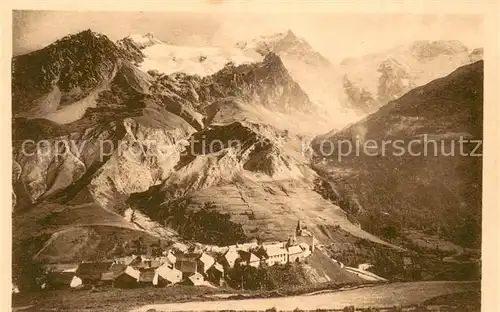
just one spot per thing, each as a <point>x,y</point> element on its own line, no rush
<point>334,35</point>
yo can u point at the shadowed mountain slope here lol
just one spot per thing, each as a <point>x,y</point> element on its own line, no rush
<point>430,185</point>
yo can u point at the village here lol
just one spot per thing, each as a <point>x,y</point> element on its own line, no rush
<point>179,264</point>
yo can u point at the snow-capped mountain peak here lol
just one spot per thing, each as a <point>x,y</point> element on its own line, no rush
<point>285,43</point>
<point>169,58</point>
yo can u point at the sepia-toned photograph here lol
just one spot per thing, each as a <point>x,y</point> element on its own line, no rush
<point>246,161</point>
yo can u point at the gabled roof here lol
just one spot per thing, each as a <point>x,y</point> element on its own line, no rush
<point>190,256</point>
<point>247,246</point>
<point>275,251</point>
<point>292,250</point>
<point>217,266</point>
<point>304,246</point>
<point>137,260</point>
<point>115,270</point>
<point>168,274</point>
<point>195,277</point>
<point>248,256</point>
<point>130,271</point>
<point>207,260</point>
<point>171,257</point>
<point>231,254</point>
<point>272,244</point>
<point>141,265</point>
<point>107,276</point>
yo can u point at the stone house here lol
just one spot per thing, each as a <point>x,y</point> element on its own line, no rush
<point>129,278</point>
<point>229,258</point>
<point>166,275</point>
<point>275,255</point>
<point>62,280</point>
<point>195,279</point>
<point>296,254</point>
<point>204,262</point>
<point>249,258</point>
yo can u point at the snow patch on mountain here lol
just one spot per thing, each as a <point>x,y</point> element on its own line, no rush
<point>202,61</point>
<point>312,71</point>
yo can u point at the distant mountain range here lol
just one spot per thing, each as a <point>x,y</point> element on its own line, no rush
<point>376,79</point>
<point>437,193</point>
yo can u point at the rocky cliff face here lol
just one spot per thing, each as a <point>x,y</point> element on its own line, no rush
<point>313,72</point>
<point>117,140</point>
<point>286,44</point>
<point>134,97</point>
<point>62,73</point>
<point>265,83</point>
<point>346,92</point>
<point>357,97</point>
<point>144,137</point>
<point>476,55</point>
<point>395,80</point>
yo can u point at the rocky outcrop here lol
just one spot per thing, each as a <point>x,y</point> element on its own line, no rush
<point>106,156</point>
<point>314,73</point>
<point>428,50</point>
<point>65,71</point>
<point>266,83</point>
<point>132,49</point>
<point>144,157</point>
<point>476,55</point>
<point>357,97</point>
<point>287,44</point>
<point>166,137</point>
<point>395,80</point>
<point>126,115</point>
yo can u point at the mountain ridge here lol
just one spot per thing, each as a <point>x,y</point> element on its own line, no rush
<point>446,109</point>
<point>265,184</point>
<point>136,108</point>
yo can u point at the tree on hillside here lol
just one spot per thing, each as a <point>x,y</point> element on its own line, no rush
<point>156,248</point>
<point>248,278</point>
<point>469,232</point>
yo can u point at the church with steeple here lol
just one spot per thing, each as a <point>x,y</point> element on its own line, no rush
<point>302,235</point>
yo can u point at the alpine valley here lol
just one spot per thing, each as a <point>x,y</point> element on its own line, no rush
<point>106,152</point>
